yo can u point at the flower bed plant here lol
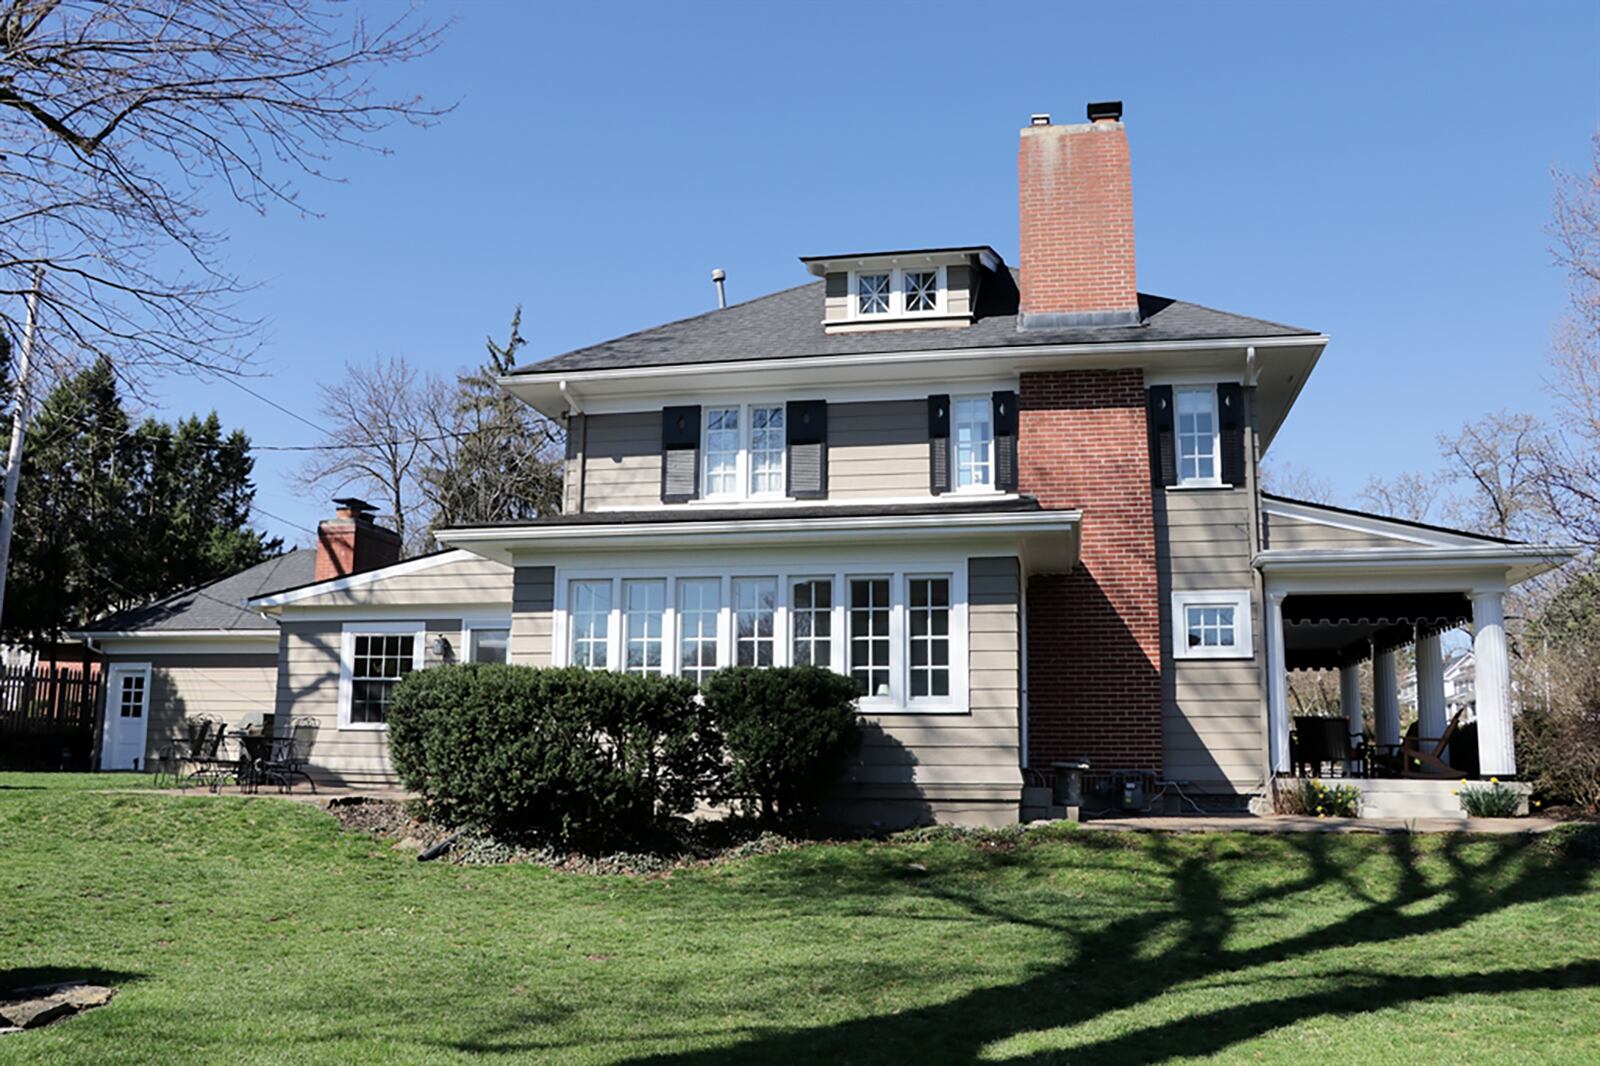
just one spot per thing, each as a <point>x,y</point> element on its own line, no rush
<point>1309,797</point>
<point>1493,800</point>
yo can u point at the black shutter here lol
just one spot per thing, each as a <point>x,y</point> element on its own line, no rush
<point>1005,441</point>
<point>1230,421</point>
<point>806,426</point>
<point>1163,455</point>
<point>680,454</point>
<point>938,444</point>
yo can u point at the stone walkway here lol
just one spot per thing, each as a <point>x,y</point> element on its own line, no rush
<point>1280,823</point>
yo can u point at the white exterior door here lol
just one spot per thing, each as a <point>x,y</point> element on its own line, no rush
<point>127,716</point>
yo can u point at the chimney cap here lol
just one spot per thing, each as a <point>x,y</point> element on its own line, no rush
<point>1108,109</point>
<point>354,505</point>
<point>1039,118</point>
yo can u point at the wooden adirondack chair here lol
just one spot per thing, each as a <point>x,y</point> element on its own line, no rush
<point>1424,756</point>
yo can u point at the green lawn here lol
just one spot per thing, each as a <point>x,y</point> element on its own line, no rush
<point>254,930</point>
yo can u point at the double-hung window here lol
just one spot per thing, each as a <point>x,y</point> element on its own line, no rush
<point>767,446</point>
<point>811,618</point>
<point>1199,442</point>
<point>699,606</point>
<point>590,612</point>
<point>1212,625</point>
<point>744,451</point>
<point>972,439</point>
<point>643,607</point>
<point>722,451</point>
<point>755,612</point>
<point>374,656</point>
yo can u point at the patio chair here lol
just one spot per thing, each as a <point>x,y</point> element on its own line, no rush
<point>1320,740</point>
<point>1424,756</point>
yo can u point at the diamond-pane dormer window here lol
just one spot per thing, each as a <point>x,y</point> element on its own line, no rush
<point>922,290</point>
<point>872,292</point>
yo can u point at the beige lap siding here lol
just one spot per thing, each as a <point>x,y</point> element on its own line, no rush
<point>1299,533</point>
<point>917,768</point>
<point>622,461</point>
<point>532,615</point>
<point>308,692</point>
<point>1214,710</point>
<point>467,579</point>
<point>221,686</point>
<point>877,449</point>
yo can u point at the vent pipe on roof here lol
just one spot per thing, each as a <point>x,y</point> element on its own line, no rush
<point>718,276</point>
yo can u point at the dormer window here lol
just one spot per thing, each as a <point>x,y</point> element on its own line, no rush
<point>872,294</point>
<point>898,293</point>
<point>922,291</point>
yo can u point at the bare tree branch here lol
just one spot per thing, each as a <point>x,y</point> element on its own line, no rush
<point>119,116</point>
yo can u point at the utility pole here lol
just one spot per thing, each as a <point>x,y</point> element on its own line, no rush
<point>19,427</point>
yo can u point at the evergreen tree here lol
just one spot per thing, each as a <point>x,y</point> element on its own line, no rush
<point>109,516</point>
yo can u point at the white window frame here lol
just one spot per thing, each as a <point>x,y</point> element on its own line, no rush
<point>743,465</point>
<point>786,572</point>
<point>661,666</point>
<point>1209,391</point>
<point>833,642</point>
<point>613,628</point>
<point>672,627</point>
<point>955,473</point>
<point>468,625</point>
<point>949,637</point>
<point>347,656</point>
<point>1243,646</point>
<point>897,293</point>
<point>755,642</point>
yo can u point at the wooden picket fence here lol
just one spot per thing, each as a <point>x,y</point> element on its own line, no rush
<point>47,717</point>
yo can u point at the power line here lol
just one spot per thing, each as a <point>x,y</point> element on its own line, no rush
<point>280,518</point>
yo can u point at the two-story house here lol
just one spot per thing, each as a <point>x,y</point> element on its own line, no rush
<point>1018,504</point>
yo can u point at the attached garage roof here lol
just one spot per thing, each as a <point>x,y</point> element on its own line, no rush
<point>217,606</point>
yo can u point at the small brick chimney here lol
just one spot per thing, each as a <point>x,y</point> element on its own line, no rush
<point>1075,206</point>
<point>352,542</point>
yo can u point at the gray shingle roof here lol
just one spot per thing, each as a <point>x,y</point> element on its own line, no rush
<point>219,604</point>
<point>788,324</point>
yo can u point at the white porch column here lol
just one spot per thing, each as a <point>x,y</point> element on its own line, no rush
<point>1431,713</point>
<point>1350,697</point>
<point>1385,699</point>
<point>1496,749</point>
<point>1277,688</point>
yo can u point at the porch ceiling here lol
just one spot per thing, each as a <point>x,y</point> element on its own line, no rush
<point>1323,631</point>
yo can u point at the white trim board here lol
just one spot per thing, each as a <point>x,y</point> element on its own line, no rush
<point>366,577</point>
<point>1371,525</point>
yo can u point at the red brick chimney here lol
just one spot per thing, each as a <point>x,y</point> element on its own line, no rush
<point>352,542</point>
<point>1075,205</point>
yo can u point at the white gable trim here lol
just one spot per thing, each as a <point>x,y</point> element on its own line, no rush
<point>1372,526</point>
<point>321,588</point>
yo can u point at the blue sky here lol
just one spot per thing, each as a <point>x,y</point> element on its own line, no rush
<point>1379,172</point>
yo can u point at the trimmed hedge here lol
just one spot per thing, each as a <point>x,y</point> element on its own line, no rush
<point>571,755</point>
<point>790,731</point>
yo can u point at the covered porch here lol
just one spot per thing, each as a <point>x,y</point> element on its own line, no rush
<point>1348,608</point>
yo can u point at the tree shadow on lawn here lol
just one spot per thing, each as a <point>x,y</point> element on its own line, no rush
<point>14,978</point>
<point>1134,960</point>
